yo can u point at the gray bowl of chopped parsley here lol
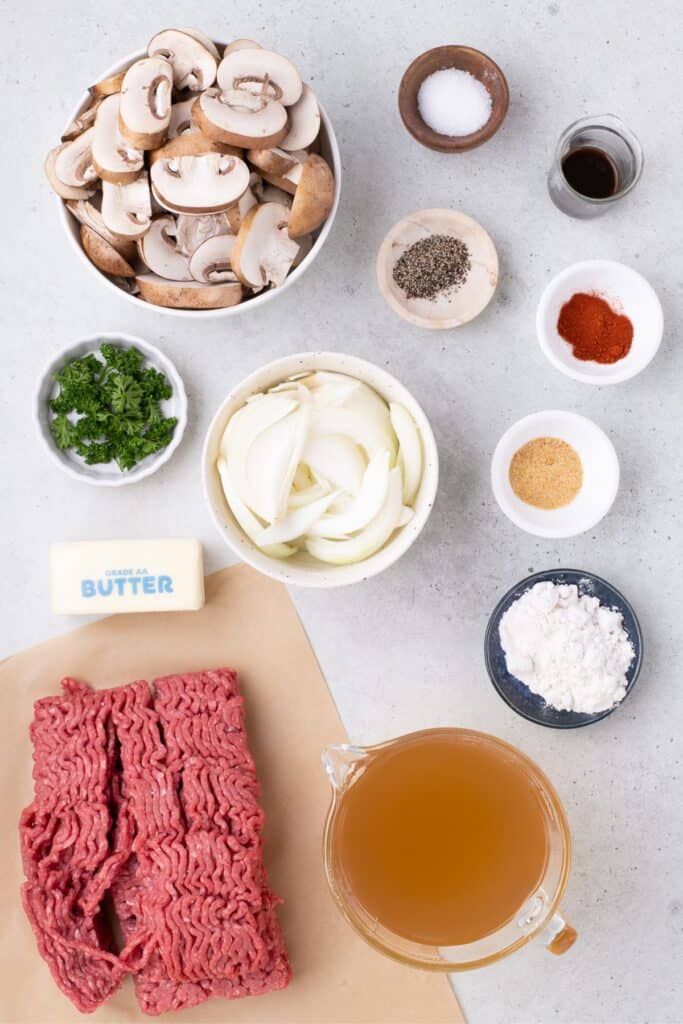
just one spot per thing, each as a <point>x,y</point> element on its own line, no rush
<point>110,409</point>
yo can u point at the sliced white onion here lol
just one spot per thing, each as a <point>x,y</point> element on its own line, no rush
<point>406,515</point>
<point>297,499</point>
<point>271,464</point>
<point>242,430</point>
<point>371,498</point>
<point>321,460</point>
<point>409,450</point>
<point>246,519</point>
<point>369,540</point>
<point>336,459</point>
<point>296,523</point>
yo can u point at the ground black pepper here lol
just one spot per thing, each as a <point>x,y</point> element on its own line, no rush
<point>432,266</point>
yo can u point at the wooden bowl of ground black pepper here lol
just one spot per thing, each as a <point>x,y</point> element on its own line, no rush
<point>437,269</point>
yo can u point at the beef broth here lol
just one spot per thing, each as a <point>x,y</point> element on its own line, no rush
<point>442,838</point>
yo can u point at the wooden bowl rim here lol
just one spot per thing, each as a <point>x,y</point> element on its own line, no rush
<point>456,143</point>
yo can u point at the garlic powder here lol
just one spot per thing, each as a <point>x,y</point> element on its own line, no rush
<point>567,648</point>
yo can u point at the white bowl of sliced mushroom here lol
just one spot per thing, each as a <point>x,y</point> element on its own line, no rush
<point>196,179</point>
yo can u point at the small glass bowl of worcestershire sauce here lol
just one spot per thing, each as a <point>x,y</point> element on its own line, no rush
<point>597,161</point>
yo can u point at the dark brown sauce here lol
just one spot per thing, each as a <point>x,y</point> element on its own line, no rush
<point>591,172</point>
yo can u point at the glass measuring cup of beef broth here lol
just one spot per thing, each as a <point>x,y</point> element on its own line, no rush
<point>597,161</point>
<point>446,849</point>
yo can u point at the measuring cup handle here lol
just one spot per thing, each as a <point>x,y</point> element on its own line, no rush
<point>558,935</point>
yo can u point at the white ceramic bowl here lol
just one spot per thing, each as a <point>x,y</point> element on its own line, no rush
<point>600,474</point>
<point>628,292</point>
<point>329,149</point>
<point>301,569</point>
<point>108,475</point>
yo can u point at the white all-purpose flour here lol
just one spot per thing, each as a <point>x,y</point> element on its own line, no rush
<point>566,647</point>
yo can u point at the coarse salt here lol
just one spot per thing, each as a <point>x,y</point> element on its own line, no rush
<point>454,102</point>
<point>567,648</point>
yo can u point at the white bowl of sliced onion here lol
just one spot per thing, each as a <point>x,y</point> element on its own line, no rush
<point>320,469</point>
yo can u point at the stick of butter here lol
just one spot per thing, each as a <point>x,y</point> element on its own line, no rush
<point>102,576</point>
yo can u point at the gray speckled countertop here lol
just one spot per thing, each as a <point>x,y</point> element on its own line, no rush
<point>404,651</point>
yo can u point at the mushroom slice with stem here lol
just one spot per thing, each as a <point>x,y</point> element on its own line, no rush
<point>188,294</point>
<point>113,157</point>
<point>193,231</point>
<point>194,65</point>
<point>127,209</point>
<point>60,187</point>
<point>210,263</point>
<point>264,252</point>
<point>205,183</point>
<point>108,86</point>
<point>103,255</point>
<point>240,118</point>
<point>82,121</point>
<point>146,96</point>
<point>87,214</point>
<point>73,164</point>
<point>194,143</point>
<point>158,250</point>
<point>261,72</point>
<point>304,121</point>
<point>180,122</point>
<point>313,199</point>
<point>241,44</point>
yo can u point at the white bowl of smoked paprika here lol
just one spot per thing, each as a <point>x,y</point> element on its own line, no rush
<point>600,322</point>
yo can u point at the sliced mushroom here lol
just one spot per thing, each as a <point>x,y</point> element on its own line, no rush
<point>313,199</point>
<point>146,96</point>
<point>158,250</point>
<point>82,122</point>
<point>188,294</point>
<point>304,121</point>
<point>126,284</point>
<point>241,44</point>
<point>73,162</point>
<point>204,183</point>
<point>113,157</point>
<point>305,246</point>
<point>273,194</point>
<point>240,118</point>
<point>261,72</point>
<point>194,65</point>
<point>276,163</point>
<point>60,187</point>
<point>210,263</point>
<point>264,252</point>
<point>193,231</point>
<point>103,255</point>
<point>193,143</point>
<point>108,86</point>
<point>181,118</point>
<point>202,38</point>
<point>238,212</point>
<point>126,209</point>
<point>87,214</point>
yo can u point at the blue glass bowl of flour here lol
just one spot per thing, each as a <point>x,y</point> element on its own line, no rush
<point>517,694</point>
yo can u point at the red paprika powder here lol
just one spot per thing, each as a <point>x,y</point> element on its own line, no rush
<point>594,330</point>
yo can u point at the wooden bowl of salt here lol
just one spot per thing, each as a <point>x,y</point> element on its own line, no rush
<point>465,114</point>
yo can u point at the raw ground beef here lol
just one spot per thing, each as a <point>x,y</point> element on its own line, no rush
<point>152,800</point>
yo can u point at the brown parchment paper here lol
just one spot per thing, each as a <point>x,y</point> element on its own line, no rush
<point>250,624</point>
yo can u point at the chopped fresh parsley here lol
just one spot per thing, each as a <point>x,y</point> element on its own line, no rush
<point>109,409</point>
